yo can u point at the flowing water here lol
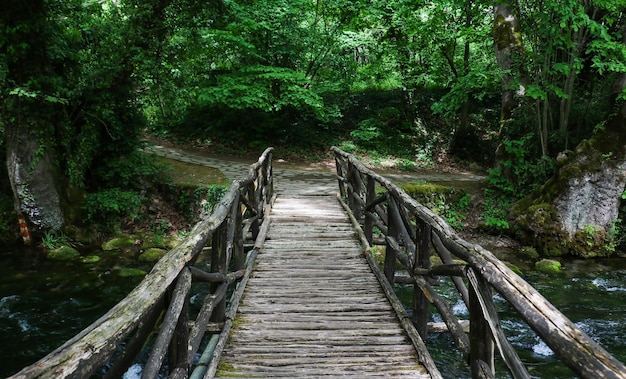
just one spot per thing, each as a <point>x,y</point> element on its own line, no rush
<point>44,303</point>
<point>592,294</point>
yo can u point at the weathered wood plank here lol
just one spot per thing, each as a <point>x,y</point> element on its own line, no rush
<point>312,307</point>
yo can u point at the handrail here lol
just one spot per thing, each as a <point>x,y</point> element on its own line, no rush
<point>412,231</point>
<point>159,302</point>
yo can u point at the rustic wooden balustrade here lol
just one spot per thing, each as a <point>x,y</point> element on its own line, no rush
<point>411,232</point>
<point>158,305</point>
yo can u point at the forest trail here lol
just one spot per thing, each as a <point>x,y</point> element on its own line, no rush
<point>318,178</point>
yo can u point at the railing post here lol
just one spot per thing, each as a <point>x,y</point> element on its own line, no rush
<point>254,201</point>
<point>235,238</point>
<point>481,340</point>
<point>268,179</point>
<point>353,192</point>
<point>368,223</point>
<point>177,352</point>
<point>218,264</point>
<point>341,175</point>
<point>393,231</point>
<point>422,260</point>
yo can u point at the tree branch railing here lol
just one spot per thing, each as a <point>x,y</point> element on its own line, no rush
<point>156,312</point>
<point>411,232</point>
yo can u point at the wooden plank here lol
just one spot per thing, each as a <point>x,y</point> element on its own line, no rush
<point>312,307</point>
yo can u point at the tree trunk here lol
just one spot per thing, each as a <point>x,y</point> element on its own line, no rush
<point>508,44</point>
<point>575,212</point>
<point>31,173</point>
<point>508,47</point>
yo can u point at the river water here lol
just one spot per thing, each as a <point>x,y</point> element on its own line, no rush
<point>592,294</point>
<point>44,303</point>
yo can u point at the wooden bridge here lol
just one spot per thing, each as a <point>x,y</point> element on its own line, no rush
<point>307,299</point>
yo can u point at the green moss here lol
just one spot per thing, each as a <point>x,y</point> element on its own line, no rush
<point>539,227</point>
<point>130,272</point>
<point>63,253</point>
<point>435,260</point>
<point>155,240</point>
<point>90,259</point>
<point>424,192</point>
<point>591,242</point>
<point>514,268</point>
<point>152,255</point>
<point>378,253</point>
<point>118,243</point>
<point>548,266</point>
<point>443,200</point>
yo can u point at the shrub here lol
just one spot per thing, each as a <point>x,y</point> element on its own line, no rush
<point>110,205</point>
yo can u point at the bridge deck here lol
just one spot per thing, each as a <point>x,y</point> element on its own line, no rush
<point>312,306</point>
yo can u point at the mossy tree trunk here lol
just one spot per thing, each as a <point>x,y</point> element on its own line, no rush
<point>509,55</point>
<point>575,212</point>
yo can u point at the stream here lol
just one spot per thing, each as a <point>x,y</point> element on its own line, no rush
<point>591,293</point>
<point>44,303</point>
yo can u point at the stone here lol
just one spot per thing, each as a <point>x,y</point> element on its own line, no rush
<point>118,243</point>
<point>63,253</point>
<point>548,266</point>
<point>90,259</point>
<point>152,255</point>
<point>130,272</point>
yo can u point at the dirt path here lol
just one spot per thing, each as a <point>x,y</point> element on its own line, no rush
<point>318,177</point>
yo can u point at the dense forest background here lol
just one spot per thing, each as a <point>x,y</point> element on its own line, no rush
<point>515,87</point>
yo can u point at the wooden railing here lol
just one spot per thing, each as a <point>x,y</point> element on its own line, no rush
<point>157,309</point>
<point>411,232</point>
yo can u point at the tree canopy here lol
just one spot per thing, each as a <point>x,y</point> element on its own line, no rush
<point>512,82</point>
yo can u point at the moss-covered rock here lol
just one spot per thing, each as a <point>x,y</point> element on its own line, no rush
<point>431,194</point>
<point>130,272</point>
<point>152,255</point>
<point>549,266</point>
<point>574,212</point>
<point>63,253</point>
<point>159,241</point>
<point>538,226</point>
<point>90,259</point>
<point>118,243</point>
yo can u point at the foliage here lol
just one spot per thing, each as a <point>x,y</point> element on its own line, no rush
<point>214,194</point>
<point>495,211</point>
<point>411,79</point>
<point>55,240</point>
<point>202,199</point>
<point>523,174</point>
<point>455,214</point>
<point>448,202</point>
<point>109,206</point>
<point>131,171</point>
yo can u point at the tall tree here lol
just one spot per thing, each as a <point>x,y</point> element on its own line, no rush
<point>509,55</point>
